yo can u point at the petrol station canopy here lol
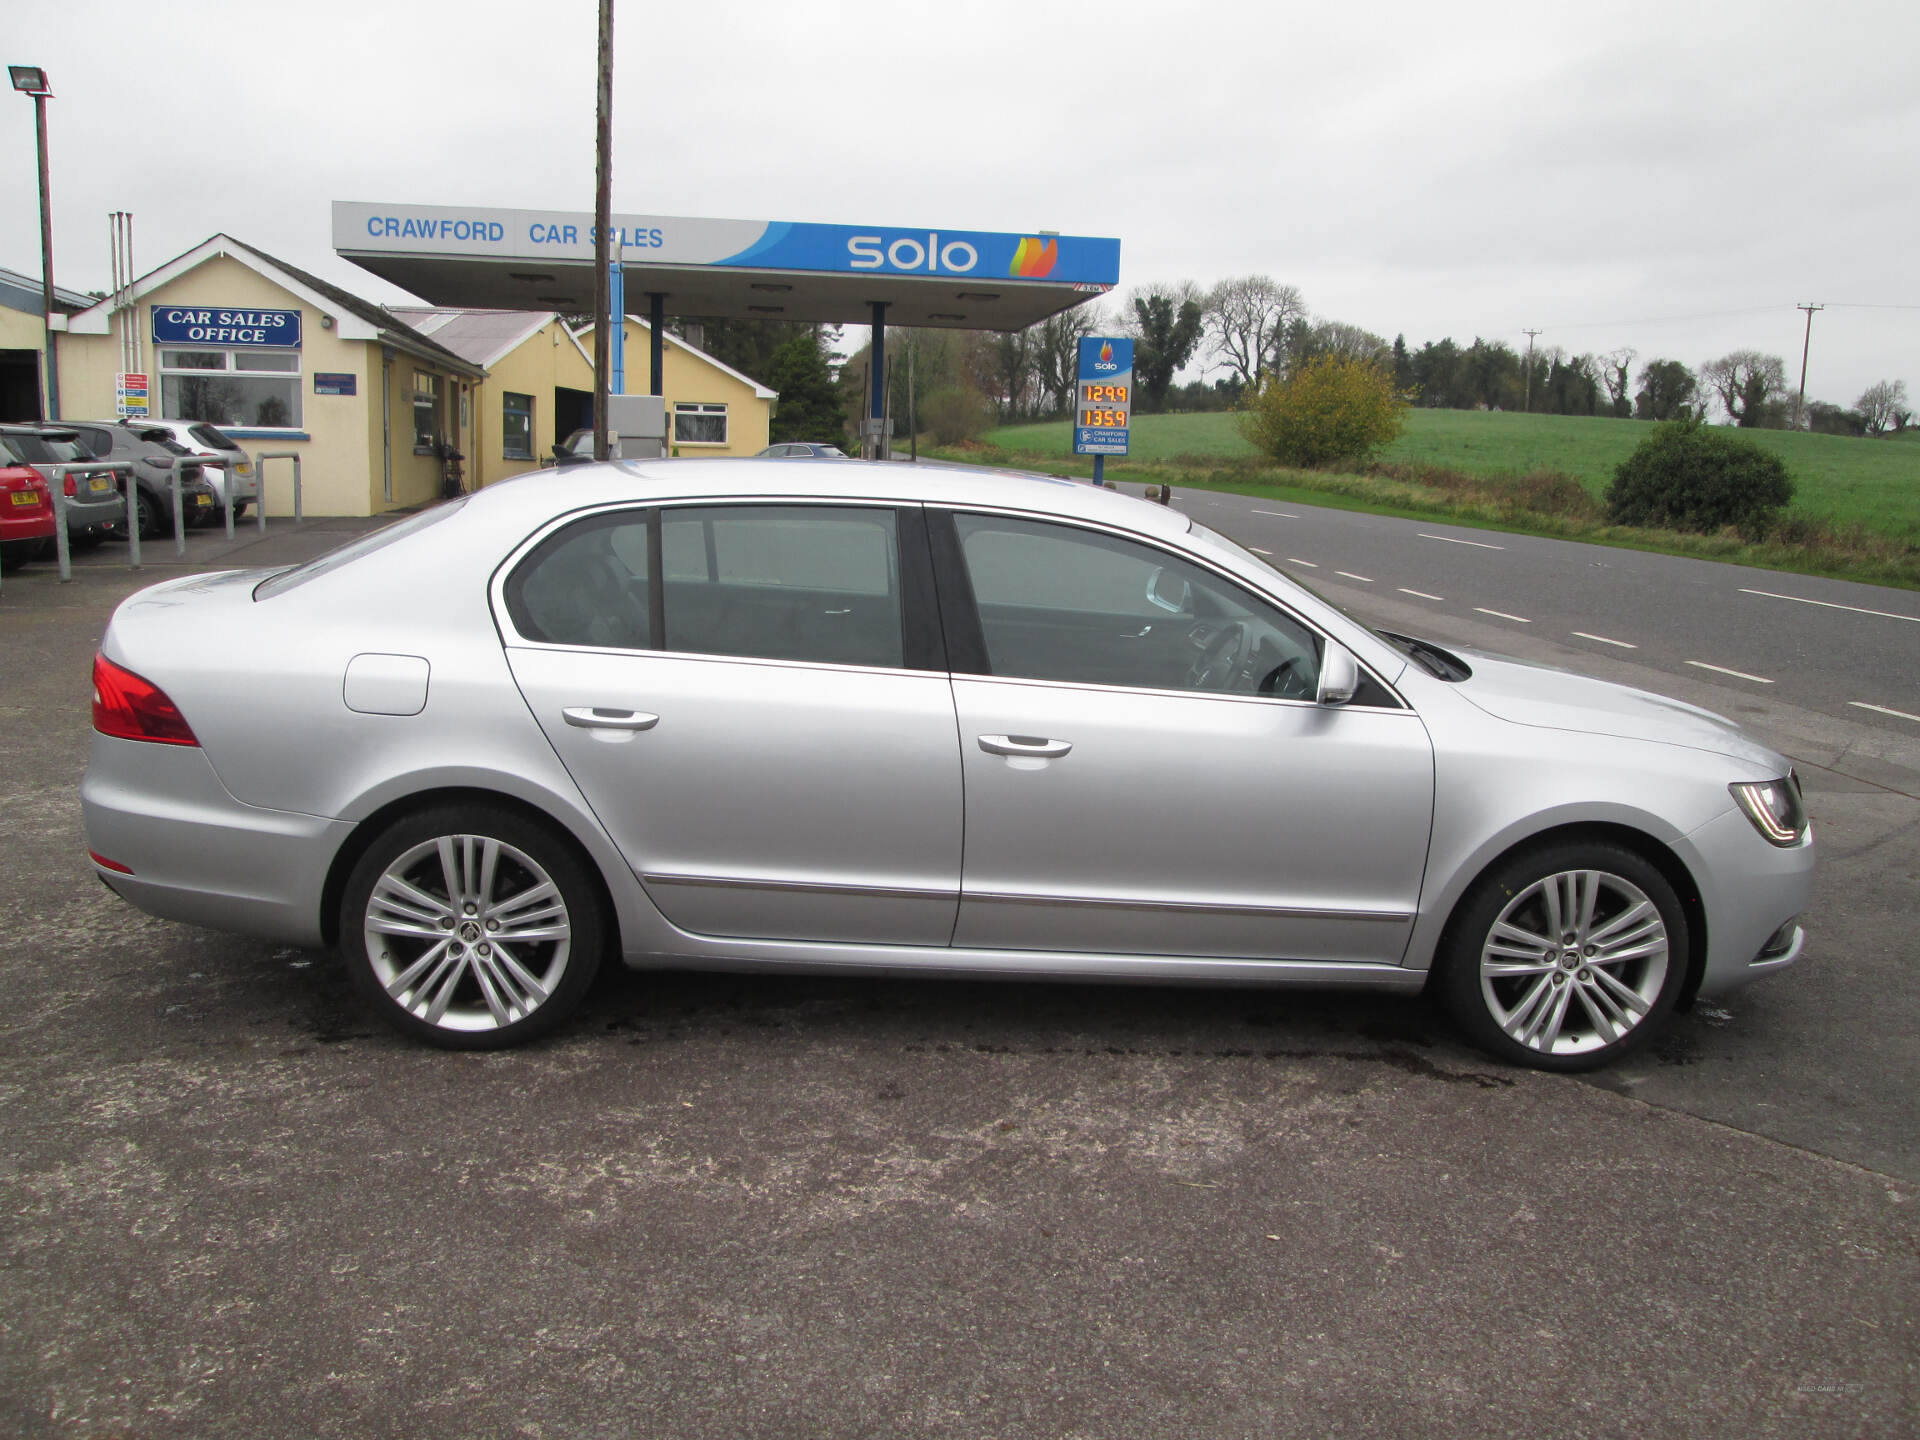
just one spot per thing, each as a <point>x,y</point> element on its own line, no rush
<point>756,269</point>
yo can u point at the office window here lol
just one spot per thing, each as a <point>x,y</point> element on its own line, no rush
<point>426,411</point>
<point>241,387</point>
<point>699,424</point>
<point>516,426</point>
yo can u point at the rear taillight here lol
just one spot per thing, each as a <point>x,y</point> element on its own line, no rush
<point>132,708</point>
<point>70,487</point>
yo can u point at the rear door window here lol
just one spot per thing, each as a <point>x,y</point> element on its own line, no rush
<point>784,582</point>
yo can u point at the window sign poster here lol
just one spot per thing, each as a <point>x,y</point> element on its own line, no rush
<point>327,382</point>
<point>1103,396</point>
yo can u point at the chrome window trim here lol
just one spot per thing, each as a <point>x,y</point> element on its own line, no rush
<point>1154,692</point>
<point>1203,562</point>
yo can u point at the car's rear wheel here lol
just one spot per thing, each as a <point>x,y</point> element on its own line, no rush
<point>471,927</point>
<point>155,519</point>
<point>1566,956</point>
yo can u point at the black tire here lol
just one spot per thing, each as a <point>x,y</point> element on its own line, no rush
<point>1579,998</point>
<point>155,519</point>
<point>434,965</point>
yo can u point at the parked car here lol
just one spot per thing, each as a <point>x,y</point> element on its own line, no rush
<point>152,451</point>
<point>576,449</point>
<point>963,722</point>
<point>26,512</point>
<point>801,450</point>
<point>226,464</point>
<point>94,502</point>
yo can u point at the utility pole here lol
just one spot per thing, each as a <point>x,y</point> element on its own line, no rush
<point>1800,405</point>
<point>602,222</point>
<point>1529,402</point>
<point>32,80</point>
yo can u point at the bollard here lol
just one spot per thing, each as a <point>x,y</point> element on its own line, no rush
<point>179,515</point>
<point>226,492</point>
<point>260,473</point>
<point>61,546</point>
<point>133,523</point>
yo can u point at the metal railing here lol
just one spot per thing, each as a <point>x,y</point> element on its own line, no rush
<point>260,472</point>
<point>56,478</point>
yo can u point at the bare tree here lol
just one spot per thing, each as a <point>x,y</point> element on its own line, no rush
<point>1246,317</point>
<point>1883,406</point>
<point>1615,366</point>
<point>1056,354</point>
<point>1750,385</point>
<point>1337,337</point>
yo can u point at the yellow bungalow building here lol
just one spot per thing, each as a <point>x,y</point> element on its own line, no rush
<point>381,404</point>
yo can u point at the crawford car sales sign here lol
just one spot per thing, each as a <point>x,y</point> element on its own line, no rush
<point>203,325</point>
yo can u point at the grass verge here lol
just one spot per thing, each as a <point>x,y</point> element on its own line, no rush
<point>1540,502</point>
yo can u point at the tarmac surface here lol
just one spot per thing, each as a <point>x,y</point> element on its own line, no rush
<point>736,1206</point>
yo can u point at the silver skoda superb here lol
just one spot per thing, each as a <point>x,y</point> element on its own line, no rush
<point>744,714</point>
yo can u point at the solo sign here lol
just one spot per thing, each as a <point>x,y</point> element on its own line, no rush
<point>1103,396</point>
<point>207,325</point>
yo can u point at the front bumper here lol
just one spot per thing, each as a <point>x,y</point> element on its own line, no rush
<point>197,854</point>
<point>1750,890</point>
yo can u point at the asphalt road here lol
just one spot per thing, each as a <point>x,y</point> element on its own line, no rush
<point>747,1206</point>
<point>1831,645</point>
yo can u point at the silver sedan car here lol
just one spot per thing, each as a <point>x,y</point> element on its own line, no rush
<point>747,714</point>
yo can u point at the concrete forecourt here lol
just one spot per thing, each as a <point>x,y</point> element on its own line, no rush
<point>745,1206</point>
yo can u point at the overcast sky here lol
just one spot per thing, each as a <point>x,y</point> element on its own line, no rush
<point>1674,176</point>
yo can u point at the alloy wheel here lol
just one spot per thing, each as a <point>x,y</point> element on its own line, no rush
<point>467,933</point>
<point>1574,962</point>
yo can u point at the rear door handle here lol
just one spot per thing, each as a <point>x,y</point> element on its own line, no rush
<point>1036,746</point>
<point>593,717</point>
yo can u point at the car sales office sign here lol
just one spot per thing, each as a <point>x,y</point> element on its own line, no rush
<point>225,329</point>
<point>1103,396</point>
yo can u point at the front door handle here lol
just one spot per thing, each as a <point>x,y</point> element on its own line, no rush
<point>1035,746</point>
<point>593,717</point>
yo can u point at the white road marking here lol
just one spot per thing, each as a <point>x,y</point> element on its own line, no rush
<point>1281,513</point>
<point>1604,640</point>
<point>1308,563</point>
<point>1363,579</point>
<point>1830,605</point>
<point>1421,593</point>
<point>1883,710</point>
<point>1479,544</point>
<point>1737,674</point>
<point>1258,551</point>
<point>1503,614</point>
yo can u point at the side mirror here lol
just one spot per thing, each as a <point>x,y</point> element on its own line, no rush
<point>1170,592</point>
<point>1339,675</point>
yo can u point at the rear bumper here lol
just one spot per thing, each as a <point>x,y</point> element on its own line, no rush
<point>34,525</point>
<point>196,854</point>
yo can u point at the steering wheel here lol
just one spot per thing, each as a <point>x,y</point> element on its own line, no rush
<point>1288,680</point>
<point>1222,655</point>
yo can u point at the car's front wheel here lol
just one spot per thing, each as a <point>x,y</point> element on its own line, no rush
<point>1566,956</point>
<point>471,927</point>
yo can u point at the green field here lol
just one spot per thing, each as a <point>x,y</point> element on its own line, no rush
<point>1875,483</point>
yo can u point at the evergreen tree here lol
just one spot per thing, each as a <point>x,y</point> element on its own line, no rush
<point>809,405</point>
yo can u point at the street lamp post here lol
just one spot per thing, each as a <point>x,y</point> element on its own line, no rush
<point>32,80</point>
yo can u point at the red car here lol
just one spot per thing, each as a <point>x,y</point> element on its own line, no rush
<point>26,514</point>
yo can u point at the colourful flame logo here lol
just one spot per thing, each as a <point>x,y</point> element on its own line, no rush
<point>1106,351</point>
<point>1034,258</point>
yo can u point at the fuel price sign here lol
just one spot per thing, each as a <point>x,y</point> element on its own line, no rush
<point>1103,396</point>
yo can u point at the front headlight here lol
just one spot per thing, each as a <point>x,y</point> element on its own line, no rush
<point>1774,807</point>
